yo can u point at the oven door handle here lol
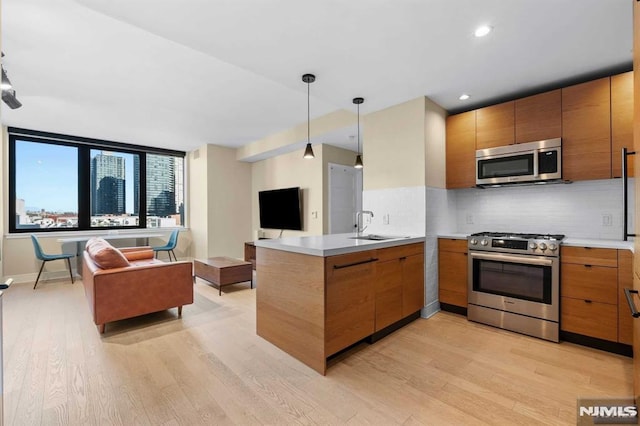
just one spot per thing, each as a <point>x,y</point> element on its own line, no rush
<point>536,155</point>
<point>528,260</point>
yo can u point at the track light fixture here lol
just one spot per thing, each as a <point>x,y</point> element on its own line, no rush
<point>8,92</point>
<point>308,151</point>
<point>358,164</point>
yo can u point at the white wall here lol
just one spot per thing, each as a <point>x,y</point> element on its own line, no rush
<point>219,202</point>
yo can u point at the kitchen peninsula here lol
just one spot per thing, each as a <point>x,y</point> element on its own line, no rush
<point>318,295</point>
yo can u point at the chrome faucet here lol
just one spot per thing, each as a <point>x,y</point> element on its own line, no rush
<point>359,219</point>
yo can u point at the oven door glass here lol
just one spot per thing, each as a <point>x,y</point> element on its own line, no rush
<point>516,280</point>
<point>513,165</point>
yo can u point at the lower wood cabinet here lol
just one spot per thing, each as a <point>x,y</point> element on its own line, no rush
<point>592,295</point>
<point>370,290</point>
<point>350,303</point>
<point>452,272</point>
<point>593,319</point>
<point>399,283</point>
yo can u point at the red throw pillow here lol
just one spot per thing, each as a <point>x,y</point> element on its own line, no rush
<point>105,255</point>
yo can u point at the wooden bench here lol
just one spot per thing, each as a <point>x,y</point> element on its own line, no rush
<point>223,271</point>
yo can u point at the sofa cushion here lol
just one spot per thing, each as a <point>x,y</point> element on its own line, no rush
<point>105,255</point>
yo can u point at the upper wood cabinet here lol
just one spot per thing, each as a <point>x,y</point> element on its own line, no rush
<point>586,130</point>
<point>594,119</point>
<point>621,121</point>
<point>495,125</point>
<point>539,117</point>
<point>461,150</point>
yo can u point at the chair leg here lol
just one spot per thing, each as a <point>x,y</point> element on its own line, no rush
<point>41,267</point>
<point>70,273</point>
<point>174,256</point>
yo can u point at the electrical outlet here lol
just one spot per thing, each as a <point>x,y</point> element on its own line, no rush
<point>314,215</point>
<point>607,219</point>
<point>385,219</point>
<point>469,218</point>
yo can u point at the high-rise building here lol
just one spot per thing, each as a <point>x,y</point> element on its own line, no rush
<point>179,173</point>
<point>107,184</point>
<point>136,185</point>
<point>161,185</point>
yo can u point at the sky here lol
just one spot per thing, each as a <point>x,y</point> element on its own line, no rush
<point>47,175</point>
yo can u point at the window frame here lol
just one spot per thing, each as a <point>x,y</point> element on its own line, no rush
<point>84,146</point>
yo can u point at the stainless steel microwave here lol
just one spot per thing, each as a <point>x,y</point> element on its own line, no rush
<point>538,161</point>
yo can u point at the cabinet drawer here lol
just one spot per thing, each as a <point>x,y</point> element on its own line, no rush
<point>453,297</point>
<point>400,251</point>
<point>351,261</point>
<point>625,280</point>
<point>595,283</point>
<point>599,320</point>
<point>589,256</point>
<point>447,244</point>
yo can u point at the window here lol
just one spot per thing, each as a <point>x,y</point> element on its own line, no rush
<point>60,182</point>
<point>46,183</point>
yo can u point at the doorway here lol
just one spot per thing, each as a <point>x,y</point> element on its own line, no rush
<point>345,197</point>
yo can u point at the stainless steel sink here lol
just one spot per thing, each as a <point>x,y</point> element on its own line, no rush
<point>374,237</point>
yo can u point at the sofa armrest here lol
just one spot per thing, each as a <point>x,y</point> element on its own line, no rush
<point>137,253</point>
<point>140,248</point>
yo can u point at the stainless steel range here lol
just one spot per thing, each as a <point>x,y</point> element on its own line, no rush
<point>514,282</point>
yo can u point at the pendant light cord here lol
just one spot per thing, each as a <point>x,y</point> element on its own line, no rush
<point>308,116</point>
<point>358,128</point>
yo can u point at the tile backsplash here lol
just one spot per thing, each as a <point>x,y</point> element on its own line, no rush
<point>586,209</point>
<point>397,211</point>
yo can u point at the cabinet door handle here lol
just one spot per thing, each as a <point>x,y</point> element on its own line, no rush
<point>632,306</point>
<point>403,258</point>
<point>362,262</point>
<point>587,300</point>
<point>587,266</point>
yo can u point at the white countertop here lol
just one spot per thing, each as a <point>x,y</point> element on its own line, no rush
<point>454,236</point>
<point>333,244</point>
<point>593,242</point>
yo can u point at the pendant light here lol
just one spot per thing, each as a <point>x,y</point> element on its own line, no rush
<point>308,151</point>
<point>358,164</point>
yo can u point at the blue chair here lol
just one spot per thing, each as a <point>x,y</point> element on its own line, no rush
<point>49,257</point>
<point>171,244</point>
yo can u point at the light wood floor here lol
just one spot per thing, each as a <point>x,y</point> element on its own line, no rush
<point>210,368</point>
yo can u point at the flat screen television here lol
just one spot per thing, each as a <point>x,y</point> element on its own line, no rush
<point>280,209</point>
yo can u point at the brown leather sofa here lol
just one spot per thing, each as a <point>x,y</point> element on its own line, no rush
<point>127,282</point>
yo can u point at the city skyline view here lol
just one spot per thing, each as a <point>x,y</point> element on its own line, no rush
<point>47,186</point>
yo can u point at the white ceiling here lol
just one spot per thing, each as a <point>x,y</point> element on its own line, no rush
<point>182,73</point>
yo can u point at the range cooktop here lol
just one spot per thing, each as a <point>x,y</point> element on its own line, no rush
<point>512,242</point>
<point>522,236</point>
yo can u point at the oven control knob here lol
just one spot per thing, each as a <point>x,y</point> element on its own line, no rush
<point>473,241</point>
<point>533,246</point>
<point>484,242</point>
<point>542,246</point>
<point>553,247</point>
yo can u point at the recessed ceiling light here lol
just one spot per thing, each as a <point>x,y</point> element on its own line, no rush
<point>482,31</point>
<point>464,97</point>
